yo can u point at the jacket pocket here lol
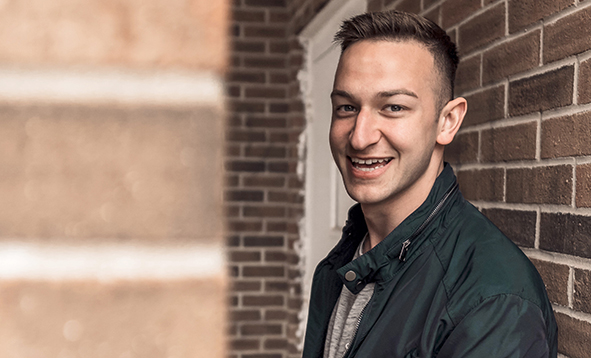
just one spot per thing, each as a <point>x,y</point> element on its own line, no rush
<point>414,353</point>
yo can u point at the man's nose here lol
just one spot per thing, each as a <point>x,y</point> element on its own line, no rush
<point>365,132</point>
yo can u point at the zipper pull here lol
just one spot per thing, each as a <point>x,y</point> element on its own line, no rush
<point>403,250</point>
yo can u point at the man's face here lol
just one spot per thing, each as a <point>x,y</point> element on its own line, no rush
<point>385,120</point>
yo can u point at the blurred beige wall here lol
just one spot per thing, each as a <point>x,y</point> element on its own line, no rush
<point>111,115</point>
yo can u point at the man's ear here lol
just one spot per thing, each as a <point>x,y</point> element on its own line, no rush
<point>450,120</point>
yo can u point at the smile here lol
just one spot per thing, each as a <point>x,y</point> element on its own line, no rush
<point>368,165</point>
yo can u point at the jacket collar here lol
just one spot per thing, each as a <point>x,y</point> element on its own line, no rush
<point>356,274</point>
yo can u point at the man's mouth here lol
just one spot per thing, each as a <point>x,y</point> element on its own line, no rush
<point>371,164</point>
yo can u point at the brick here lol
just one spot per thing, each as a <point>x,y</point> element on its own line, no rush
<point>582,290</point>
<point>266,122</point>
<point>267,211</point>
<point>265,3</point>
<point>260,329</point>
<point>264,241</point>
<point>573,336</point>
<point>484,184</point>
<point>240,225</point>
<point>245,256</point>
<point>523,13</point>
<point>265,92</point>
<point>262,300</point>
<point>409,6</point>
<point>242,15</point>
<point>566,233</point>
<point>265,62</point>
<point>235,75</point>
<point>263,271</point>
<point>509,143</point>
<point>275,315</point>
<point>517,225</point>
<point>538,93</point>
<point>55,318</point>
<point>568,36</point>
<point>246,286</point>
<point>266,32</point>
<point>482,29</point>
<point>238,315</point>
<point>267,151</point>
<point>280,16</point>
<point>540,185</point>
<point>468,75</point>
<point>585,82</point>
<point>233,91</point>
<point>454,11</point>
<point>275,256</point>
<point>264,181</point>
<point>509,58</point>
<point>567,136</point>
<point>240,135</point>
<point>279,108</point>
<point>555,277</point>
<point>276,343</point>
<point>248,46</point>
<point>433,15</point>
<point>463,149</point>
<point>281,167</point>
<point>120,34</point>
<point>485,106</point>
<point>583,190</point>
<point>279,78</point>
<point>243,195</point>
<point>276,286</point>
<point>428,3</point>
<point>250,106</point>
<point>375,5</point>
<point>245,166</point>
<point>244,344</point>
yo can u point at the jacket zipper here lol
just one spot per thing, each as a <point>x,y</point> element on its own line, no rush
<point>406,244</point>
<point>356,329</point>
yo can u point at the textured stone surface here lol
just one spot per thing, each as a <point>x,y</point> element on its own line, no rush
<point>511,57</point>
<point>517,225</point>
<point>485,106</point>
<point>583,197</point>
<point>159,33</point>
<point>565,233</point>
<point>573,336</point>
<point>555,278</point>
<point>468,75</point>
<point>539,93</point>
<point>454,11</point>
<point>585,82</point>
<point>482,29</point>
<point>523,13</point>
<point>104,320</point>
<point>485,184</point>
<point>98,172</point>
<point>509,143</point>
<point>540,185</point>
<point>463,149</point>
<point>567,136</point>
<point>570,35</point>
<point>582,290</point>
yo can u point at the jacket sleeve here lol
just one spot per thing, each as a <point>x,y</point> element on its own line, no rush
<point>498,327</point>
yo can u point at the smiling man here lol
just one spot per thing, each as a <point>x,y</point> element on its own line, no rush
<point>419,272</point>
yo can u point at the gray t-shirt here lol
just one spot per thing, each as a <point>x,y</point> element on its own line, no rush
<point>345,317</point>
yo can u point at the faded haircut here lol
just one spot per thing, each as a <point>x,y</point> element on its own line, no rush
<point>402,26</point>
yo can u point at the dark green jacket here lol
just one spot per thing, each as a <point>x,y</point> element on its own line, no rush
<point>460,289</point>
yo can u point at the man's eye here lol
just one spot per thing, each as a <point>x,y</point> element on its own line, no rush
<point>346,108</point>
<point>394,108</point>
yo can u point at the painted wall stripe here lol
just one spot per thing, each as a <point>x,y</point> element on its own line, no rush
<point>110,86</point>
<point>108,262</point>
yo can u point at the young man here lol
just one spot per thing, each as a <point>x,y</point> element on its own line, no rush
<point>419,272</point>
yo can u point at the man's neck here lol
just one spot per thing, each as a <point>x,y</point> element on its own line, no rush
<point>383,218</point>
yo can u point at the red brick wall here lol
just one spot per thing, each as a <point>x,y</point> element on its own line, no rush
<point>523,155</point>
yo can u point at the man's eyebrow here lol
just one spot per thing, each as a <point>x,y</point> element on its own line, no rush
<point>397,92</point>
<point>340,93</point>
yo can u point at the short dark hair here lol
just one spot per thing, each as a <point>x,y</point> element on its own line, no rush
<point>396,25</point>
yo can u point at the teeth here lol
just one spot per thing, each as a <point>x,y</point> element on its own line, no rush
<point>369,161</point>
